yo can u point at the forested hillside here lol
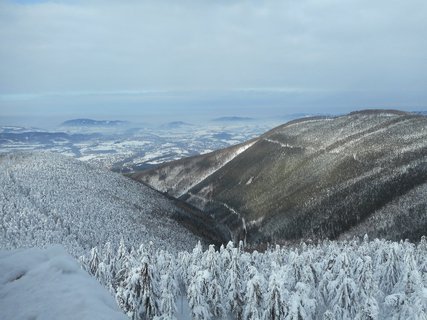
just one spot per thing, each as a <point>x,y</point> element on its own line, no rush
<point>314,178</point>
<point>49,198</point>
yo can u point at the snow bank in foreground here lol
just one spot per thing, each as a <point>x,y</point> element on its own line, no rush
<point>49,284</point>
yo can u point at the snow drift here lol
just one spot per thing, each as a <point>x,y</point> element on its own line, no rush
<point>49,284</point>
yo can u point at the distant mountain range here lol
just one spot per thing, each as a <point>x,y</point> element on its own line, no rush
<point>232,119</point>
<point>44,138</point>
<point>312,178</point>
<point>16,129</point>
<point>176,125</point>
<point>93,123</point>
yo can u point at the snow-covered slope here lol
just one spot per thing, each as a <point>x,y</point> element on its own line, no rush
<point>48,198</point>
<point>50,284</point>
<point>177,177</point>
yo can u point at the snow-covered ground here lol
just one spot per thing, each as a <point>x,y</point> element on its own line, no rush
<point>49,284</point>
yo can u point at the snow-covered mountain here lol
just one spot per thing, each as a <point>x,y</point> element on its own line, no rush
<point>315,177</point>
<point>49,198</point>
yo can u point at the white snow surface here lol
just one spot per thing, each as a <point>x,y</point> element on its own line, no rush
<point>49,284</point>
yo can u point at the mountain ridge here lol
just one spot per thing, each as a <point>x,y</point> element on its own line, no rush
<point>316,177</point>
<point>84,122</point>
<point>232,119</point>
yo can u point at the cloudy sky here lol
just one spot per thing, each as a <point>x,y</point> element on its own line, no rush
<point>151,58</point>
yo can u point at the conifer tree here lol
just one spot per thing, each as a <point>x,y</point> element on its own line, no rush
<point>94,261</point>
<point>275,307</point>
<point>409,300</point>
<point>301,306</point>
<point>198,291</point>
<point>168,296</point>
<point>344,296</point>
<point>369,310</point>
<point>254,295</point>
<point>233,285</point>
<point>421,253</point>
<point>149,288</point>
<point>388,272</point>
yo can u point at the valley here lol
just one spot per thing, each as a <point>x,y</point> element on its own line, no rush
<point>312,178</point>
<point>283,223</point>
<point>213,160</point>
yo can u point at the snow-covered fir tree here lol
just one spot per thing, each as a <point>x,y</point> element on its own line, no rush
<point>331,280</point>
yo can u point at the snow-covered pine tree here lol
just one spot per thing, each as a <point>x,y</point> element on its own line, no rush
<point>107,267</point>
<point>215,298</point>
<point>129,294</point>
<point>409,300</point>
<point>94,261</point>
<point>225,255</point>
<point>197,294</point>
<point>122,266</point>
<point>363,275</point>
<point>345,298</point>
<point>324,294</point>
<point>328,315</point>
<point>301,306</point>
<point>233,286</point>
<point>212,263</point>
<point>369,310</point>
<point>389,268</point>
<point>149,288</point>
<point>421,254</point>
<point>254,298</point>
<point>168,296</point>
<point>368,290</point>
<point>121,250</point>
<point>275,304</point>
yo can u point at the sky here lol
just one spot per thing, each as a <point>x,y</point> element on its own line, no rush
<point>168,58</point>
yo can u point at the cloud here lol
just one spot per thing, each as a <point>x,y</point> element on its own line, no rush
<point>124,46</point>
